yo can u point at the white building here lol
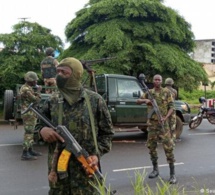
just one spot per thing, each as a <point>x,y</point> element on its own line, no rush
<point>204,51</point>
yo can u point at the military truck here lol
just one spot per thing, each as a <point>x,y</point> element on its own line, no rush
<point>120,93</point>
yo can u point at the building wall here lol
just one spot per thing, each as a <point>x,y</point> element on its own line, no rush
<point>204,51</point>
<point>210,70</point>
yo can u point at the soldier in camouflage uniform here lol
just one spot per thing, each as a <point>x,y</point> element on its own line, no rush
<point>172,119</point>
<point>28,96</point>
<point>76,117</point>
<point>48,69</point>
<point>164,101</point>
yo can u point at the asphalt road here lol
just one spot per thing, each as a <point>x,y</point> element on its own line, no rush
<point>195,167</point>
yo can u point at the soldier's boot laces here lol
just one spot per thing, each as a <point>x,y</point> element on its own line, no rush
<point>172,179</point>
<point>34,153</point>
<point>155,171</point>
<point>26,156</point>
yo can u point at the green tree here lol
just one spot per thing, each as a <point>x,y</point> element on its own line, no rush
<point>23,50</point>
<point>212,84</point>
<point>145,35</point>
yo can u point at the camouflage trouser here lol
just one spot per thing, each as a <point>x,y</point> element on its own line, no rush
<point>64,190</point>
<point>29,122</point>
<point>50,82</point>
<point>172,124</point>
<point>155,134</point>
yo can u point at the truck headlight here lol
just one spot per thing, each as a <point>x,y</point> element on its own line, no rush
<point>184,107</point>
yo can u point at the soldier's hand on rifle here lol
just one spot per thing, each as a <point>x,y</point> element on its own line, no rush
<point>49,135</point>
<point>164,118</point>
<point>39,88</point>
<point>93,162</point>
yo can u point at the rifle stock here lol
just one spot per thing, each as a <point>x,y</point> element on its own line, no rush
<point>71,146</point>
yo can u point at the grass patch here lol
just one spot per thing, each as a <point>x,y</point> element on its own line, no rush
<point>193,97</point>
<point>162,187</point>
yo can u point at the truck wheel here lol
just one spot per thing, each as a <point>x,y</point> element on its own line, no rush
<point>144,129</point>
<point>8,104</point>
<point>179,127</point>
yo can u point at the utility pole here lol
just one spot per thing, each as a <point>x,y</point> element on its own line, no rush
<point>23,21</point>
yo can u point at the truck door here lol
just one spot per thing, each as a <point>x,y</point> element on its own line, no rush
<point>126,109</point>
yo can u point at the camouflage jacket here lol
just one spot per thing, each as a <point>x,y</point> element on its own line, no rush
<point>164,101</point>
<point>28,96</point>
<point>76,118</point>
<point>173,92</point>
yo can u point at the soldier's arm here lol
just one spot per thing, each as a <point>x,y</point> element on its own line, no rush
<point>170,101</point>
<point>56,63</point>
<point>143,99</point>
<point>105,127</point>
<point>45,110</point>
<point>30,95</point>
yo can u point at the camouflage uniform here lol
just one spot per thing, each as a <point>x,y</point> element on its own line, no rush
<point>76,119</point>
<point>48,69</point>
<point>172,118</point>
<point>165,102</point>
<point>28,96</point>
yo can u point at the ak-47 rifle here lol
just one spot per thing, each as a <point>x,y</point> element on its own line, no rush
<point>153,102</point>
<point>87,66</point>
<point>71,146</point>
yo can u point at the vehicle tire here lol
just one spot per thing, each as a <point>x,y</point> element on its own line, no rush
<point>144,129</point>
<point>8,104</point>
<point>179,127</point>
<point>211,117</point>
<point>195,123</point>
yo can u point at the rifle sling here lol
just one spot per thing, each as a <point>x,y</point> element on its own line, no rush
<point>60,110</point>
<point>60,115</point>
<point>92,121</point>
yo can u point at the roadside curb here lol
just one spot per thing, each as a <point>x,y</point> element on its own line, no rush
<point>4,122</point>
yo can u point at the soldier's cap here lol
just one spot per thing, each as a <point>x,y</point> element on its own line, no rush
<point>75,65</point>
<point>31,76</point>
<point>169,81</point>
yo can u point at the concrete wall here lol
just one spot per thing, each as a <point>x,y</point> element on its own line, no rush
<point>210,70</point>
<point>203,51</point>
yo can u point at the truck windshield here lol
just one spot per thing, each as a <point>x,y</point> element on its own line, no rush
<point>126,88</point>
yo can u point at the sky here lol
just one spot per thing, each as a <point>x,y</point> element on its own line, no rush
<point>55,15</point>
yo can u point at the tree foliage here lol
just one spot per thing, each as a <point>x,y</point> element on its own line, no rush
<point>144,35</point>
<point>23,50</point>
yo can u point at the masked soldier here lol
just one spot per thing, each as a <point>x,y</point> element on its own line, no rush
<point>172,119</point>
<point>29,93</point>
<point>76,108</point>
<point>48,69</point>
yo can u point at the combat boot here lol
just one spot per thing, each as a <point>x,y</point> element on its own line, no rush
<point>27,156</point>
<point>172,179</point>
<point>34,153</point>
<point>155,171</point>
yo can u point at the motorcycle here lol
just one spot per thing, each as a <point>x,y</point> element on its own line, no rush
<point>208,113</point>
